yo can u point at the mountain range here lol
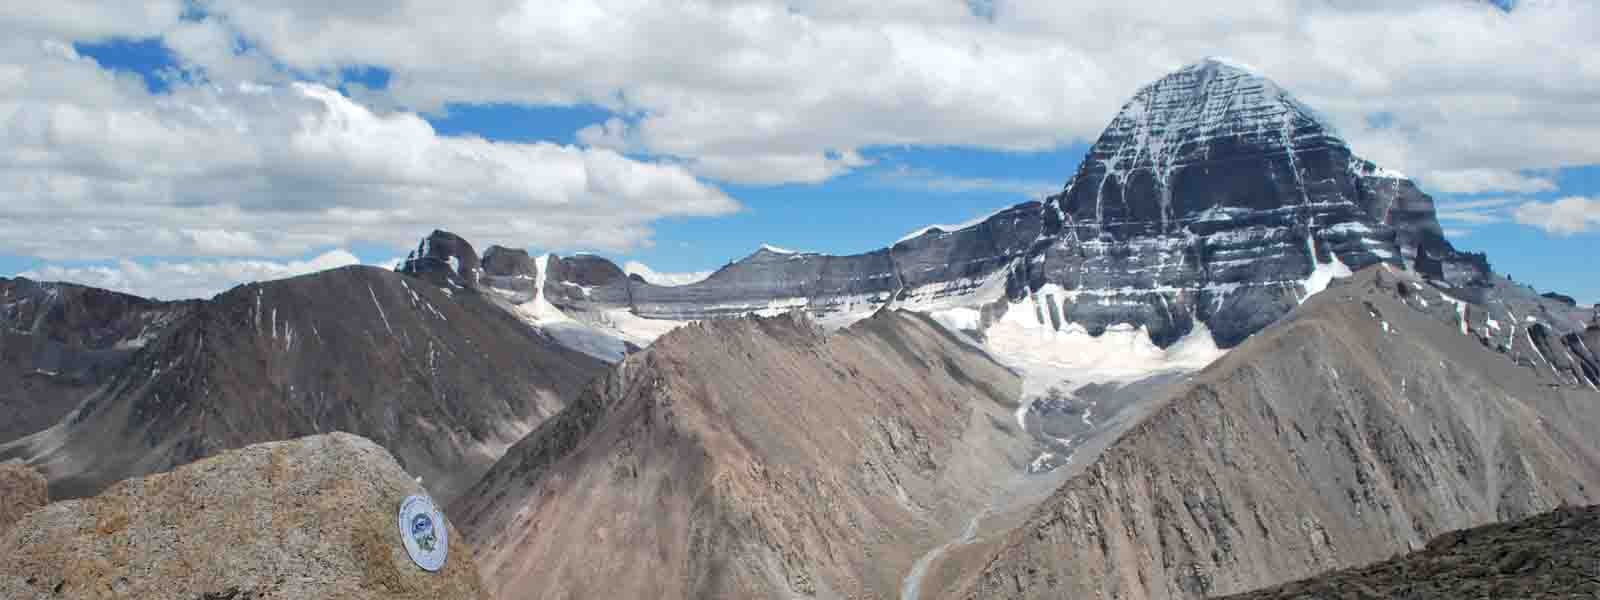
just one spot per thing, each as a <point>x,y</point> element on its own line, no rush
<point>1229,353</point>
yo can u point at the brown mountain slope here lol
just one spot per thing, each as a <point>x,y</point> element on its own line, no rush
<point>1549,556</point>
<point>59,341</point>
<point>752,458</point>
<point>444,380</point>
<point>1354,430</point>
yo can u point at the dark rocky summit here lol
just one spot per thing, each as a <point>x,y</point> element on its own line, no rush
<point>307,518</point>
<point>59,341</point>
<point>445,260</point>
<point>437,374</point>
<point>512,272</point>
<point>1215,195</point>
<point>1549,556</point>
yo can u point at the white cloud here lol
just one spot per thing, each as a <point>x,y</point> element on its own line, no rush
<point>1471,213</point>
<point>174,280</point>
<point>96,167</point>
<point>931,181</point>
<point>1478,181</point>
<point>1564,217</point>
<point>634,267</point>
<point>767,90</point>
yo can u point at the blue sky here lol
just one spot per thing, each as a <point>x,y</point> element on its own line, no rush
<point>844,170</point>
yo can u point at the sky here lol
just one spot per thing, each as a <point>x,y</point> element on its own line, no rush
<point>177,148</point>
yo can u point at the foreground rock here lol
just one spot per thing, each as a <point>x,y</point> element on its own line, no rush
<point>753,458</point>
<point>307,518</point>
<point>1358,428</point>
<point>1553,555</point>
<point>21,491</point>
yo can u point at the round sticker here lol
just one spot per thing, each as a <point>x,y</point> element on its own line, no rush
<point>423,532</point>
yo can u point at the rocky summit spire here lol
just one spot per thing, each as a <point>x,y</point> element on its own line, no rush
<point>1181,144</point>
<point>1216,196</point>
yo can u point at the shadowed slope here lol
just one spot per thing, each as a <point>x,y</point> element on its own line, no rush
<point>443,380</point>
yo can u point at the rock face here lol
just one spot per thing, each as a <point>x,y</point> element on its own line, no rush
<point>1356,429</point>
<point>511,271</point>
<point>1215,195</point>
<point>446,380</point>
<point>22,490</point>
<point>444,259</point>
<point>1549,556</point>
<point>308,518</point>
<point>59,341</point>
<point>752,458</point>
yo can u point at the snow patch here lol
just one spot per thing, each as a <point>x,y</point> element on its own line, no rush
<point>1323,273</point>
<point>948,228</point>
<point>776,250</point>
<point>1046,356</point>
<point>655,277</point>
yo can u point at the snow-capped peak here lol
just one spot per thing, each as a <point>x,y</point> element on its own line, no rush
<point>776,250</point>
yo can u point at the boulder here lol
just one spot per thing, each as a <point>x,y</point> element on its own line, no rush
<point>312,517</point>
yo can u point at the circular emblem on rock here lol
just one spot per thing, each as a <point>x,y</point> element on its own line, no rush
<point>423,532</point>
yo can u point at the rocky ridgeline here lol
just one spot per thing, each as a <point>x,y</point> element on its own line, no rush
<point>1360,426</point>
<point>1214,197</point>
<point>59,341</point>
<point>307,518</point>
<point>435,373</point>
<point>1549,556</point>
<point>752,458</point>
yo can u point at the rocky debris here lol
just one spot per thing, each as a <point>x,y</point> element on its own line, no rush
<point>756,457</point>
<point>1353,430</point>
<point>307,518</point>
<point>22,490</point>
<point>444,259</point>
<point>59,341</point>
<point>1549,556</point>
<point>445,380</point>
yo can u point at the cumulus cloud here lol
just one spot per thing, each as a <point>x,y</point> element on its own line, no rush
<point>96,167</point>
<point>634,267</point>
<point>771,91</point>
<point>1563,217</point>
<point>175,280</point>
<point>1479,181</point>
